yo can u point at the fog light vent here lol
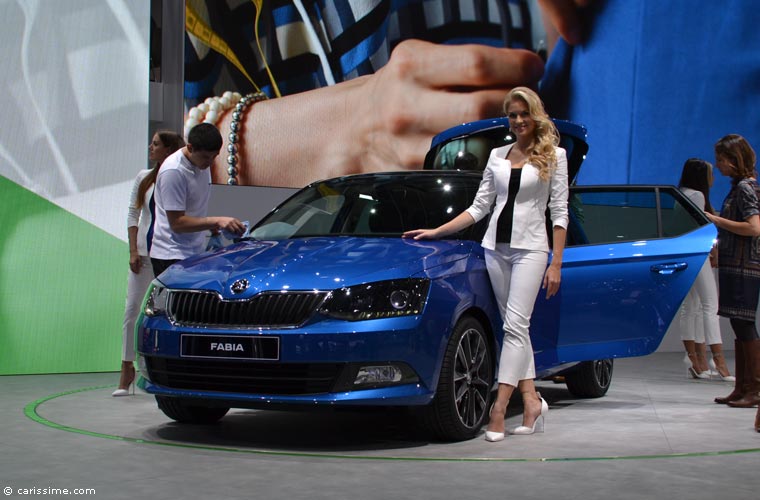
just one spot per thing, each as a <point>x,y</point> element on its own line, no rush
<point>369,375</point>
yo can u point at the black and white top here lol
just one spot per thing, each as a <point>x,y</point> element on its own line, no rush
<point>504,227</point>
<point>530,200</point>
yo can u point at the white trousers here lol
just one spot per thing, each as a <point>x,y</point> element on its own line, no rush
<point>698,315</point>
<point>137,285</point>
<point>516,277</point>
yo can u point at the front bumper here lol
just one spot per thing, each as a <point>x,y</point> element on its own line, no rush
<point>315,365</point>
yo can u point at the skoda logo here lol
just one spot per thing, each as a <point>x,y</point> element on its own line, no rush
<point>239,286</point>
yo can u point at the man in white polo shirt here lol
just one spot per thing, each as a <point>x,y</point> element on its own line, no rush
<point>181,195</point>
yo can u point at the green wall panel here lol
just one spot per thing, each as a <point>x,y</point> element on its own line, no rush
<point>62,288</point>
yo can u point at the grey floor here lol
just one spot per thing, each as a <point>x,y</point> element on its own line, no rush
<point>656,434</point>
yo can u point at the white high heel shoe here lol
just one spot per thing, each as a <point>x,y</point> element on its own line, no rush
<point>691,372</point>
<point>538,424</point>
<point>714,373</point>
<point>129,391</point>
<point>493,437</point>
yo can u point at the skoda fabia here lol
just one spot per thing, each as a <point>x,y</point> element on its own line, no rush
<point>324,304</point>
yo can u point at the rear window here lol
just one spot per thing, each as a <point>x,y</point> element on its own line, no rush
<point>601,215</point>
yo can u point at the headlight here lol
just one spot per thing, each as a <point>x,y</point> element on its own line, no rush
<point>381,299</point>
<point>156,299</point>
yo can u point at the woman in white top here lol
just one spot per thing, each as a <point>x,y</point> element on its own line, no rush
<point>139,230</point>
<point>699,320</point>
<point>522,178</point>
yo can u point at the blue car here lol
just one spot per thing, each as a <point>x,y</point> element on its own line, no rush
<point>325,305</point>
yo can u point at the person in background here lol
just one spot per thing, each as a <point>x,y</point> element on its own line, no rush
<point>183,187</point>
<point>739,263</point>
<point>700,324</point>
<point>519,182</point>
<point>139,232</point>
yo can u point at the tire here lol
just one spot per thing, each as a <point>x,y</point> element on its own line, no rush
<point>461,403</point>
<point>590,379</point>
<point>183,412</point>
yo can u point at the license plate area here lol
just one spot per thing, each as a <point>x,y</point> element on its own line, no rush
<point>230,347</point>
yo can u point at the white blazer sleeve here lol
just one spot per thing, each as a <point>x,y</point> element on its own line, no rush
<point>559,191</point>
<point>133,214</point>
<point>485,196</point>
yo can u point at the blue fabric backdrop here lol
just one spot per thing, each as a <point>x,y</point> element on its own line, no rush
<point>658,82</point>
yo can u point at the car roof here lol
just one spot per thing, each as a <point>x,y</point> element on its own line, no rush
<point>405,174</point>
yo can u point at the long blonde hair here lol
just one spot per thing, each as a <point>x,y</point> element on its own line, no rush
<point>543,156</point>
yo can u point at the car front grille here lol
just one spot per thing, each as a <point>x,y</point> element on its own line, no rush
<point>268,309</point>
<point>244,377</point>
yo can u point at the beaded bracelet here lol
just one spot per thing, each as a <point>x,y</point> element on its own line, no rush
<point>210,110</point>
<point>234,138</point>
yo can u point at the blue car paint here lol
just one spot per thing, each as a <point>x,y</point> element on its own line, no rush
<point>597,279</point>
<point>459,284</point>
<point>401,395</point>
<point>611,303</point>
<point>318,263</point>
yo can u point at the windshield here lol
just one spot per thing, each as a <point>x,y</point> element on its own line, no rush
<point>371,205</point>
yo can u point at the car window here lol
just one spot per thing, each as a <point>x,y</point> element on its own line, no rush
<point>470,152</point>
<point>471,145</point>
<point>306,213</point>
<point>379,205</point>
<point>618,214</point>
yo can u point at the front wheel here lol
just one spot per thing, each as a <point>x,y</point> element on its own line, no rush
<point>186,413</point>
<point>460,406</point>
<point>590,379</point>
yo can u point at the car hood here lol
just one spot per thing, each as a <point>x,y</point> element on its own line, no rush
<point>318,263</point>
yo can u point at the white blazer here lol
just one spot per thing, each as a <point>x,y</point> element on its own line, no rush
<point>142,219</point>
<point>529,222</point>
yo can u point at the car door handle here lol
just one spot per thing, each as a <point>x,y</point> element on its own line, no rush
<point>669,268</point>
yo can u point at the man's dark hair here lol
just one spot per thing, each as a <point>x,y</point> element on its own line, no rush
<point>205,137</point>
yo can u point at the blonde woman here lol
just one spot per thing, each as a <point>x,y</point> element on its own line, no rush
<point>523,178</point>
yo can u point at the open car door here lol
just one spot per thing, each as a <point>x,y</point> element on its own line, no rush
<point>632,253</point>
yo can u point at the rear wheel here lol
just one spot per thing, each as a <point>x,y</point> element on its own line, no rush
<point>181,411</point>
<point>460,406</point>
<point>590,379</point>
